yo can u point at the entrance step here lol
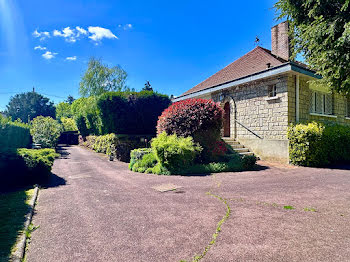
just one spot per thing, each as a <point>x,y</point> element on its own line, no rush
<point>239,148</point>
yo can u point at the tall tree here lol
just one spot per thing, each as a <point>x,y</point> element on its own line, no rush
<point>63,109</point>
<point>100,78</point>
<point>27,106</point>
<point>320,31</point>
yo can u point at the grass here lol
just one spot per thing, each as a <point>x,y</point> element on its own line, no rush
<point>13,209</point>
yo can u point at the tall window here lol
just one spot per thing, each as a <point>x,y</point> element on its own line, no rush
<point>321,103</point>
<point>272,90</point>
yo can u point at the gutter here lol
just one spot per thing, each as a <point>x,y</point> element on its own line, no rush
<point>283,68</point>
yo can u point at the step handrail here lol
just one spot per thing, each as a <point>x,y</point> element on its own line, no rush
<point>248,129</point>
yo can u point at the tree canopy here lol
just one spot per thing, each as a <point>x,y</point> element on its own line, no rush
<point>320,31</point>
<point>100,78</point>
<point>63,109</point>
<point>27,106</point>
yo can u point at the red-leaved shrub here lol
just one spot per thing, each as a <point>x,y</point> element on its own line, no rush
<point>185,118</point>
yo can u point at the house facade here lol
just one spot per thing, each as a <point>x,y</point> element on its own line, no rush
<point>263,92</point>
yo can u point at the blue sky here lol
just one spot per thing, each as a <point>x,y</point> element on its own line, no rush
<point>173,44</point>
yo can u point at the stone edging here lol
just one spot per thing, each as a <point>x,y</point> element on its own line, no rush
<point>18,254</point>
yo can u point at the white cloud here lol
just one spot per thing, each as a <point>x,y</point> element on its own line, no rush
<point>81,31</point>
<point>39,47</point>
<point>67,33</point>
<point>98,33</point>
<point>126,26</point>
<point>49,55</point>
<point>43,35</point>
<point>71,58</point>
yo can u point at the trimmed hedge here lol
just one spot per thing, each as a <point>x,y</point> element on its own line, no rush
<point>13,134</point>
<point>119,146</point>
<point>131,112</point>
<point>317,144</point>
<point>26,166</point>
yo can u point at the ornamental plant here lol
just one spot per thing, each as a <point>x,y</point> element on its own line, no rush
<point>45,131</point>
<point>187,117</point>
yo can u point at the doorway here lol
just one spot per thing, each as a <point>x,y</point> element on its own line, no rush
<point>227,131</point>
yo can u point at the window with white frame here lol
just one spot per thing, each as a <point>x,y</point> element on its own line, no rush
<point>321,103</point>
<point>272,91</point>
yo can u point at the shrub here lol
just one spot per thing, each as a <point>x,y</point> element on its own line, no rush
<point>81,125</point>
<point>131,112</point>
<point>185,118</point>
<point>68,124</point>
<point>174,152</point>
<point>318,144</point>
<point>248,162</point>
<point>104,144</point>
<point>147,162</point>
<point>25,166</point>
<point>13,134</point>
<point>137,154</point>
<point>45,131</point>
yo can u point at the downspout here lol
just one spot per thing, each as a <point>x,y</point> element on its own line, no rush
<point>297,91</point>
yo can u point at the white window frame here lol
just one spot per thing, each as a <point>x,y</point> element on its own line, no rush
<point>273,91</point>
<point>324,110</point>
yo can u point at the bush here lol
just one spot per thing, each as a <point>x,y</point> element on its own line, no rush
<point>81,125</point>
<point>317,144</point>
<point>173,152</point>
<point>13,134</point>
<point>111,143</point>
<point>45,131</point>
<point>147,162</point>
<point>68,124</point>
<point>131,112</point>
<point>248,162</point>
<point>137,154</point>
<point>185,118</point>
<point>25,166</point>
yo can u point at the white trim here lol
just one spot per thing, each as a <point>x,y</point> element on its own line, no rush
<point>271,98</point>
<point>271,72</point>
<point>315,114</point>
<point>297,87</point>
<point>347,118</point>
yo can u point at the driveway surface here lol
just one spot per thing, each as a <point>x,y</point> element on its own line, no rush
<point>97,210</point>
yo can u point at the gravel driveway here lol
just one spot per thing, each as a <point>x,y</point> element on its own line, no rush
<point>97,210</point>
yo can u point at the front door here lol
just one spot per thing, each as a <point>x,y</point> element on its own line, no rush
<point>227,120</point>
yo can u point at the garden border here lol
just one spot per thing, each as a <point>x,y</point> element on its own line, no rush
<point>18,254</point>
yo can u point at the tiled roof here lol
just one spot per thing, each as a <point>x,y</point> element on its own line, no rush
<point>252,62</point>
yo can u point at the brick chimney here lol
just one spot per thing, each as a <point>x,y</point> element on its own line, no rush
<point>280,42</point>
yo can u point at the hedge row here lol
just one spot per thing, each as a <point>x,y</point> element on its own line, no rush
<point>131,112</point>
<point>25,166</point>
<point>13,134</point>
<point>119,146</point>
<point>317,144</point>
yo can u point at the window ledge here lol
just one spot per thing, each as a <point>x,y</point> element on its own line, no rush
<point>271,98</point>
<point>323,115</point>
<point>347,117</point>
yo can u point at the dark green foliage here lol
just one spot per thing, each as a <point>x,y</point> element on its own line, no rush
<point>131,112</point>
<point>81,125</point>
<point>27,106</point>
<point>248,162</point>
<point>317,144</point>
<point>13,134</point>
<point>321,32</point>
<point>25,166</point>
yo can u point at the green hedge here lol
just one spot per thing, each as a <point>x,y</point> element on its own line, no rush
<point>120,146</point>
<point>26,166</point>
<point>13,134</point>
<point>317,144</point>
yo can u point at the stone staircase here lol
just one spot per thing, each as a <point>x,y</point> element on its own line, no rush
<point>239,148</point>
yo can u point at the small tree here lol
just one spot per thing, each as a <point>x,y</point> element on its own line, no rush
<point>45,131</point>
<point>100,78</point>
<point>27,106</point>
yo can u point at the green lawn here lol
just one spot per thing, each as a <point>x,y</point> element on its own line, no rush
<point>13,208</point>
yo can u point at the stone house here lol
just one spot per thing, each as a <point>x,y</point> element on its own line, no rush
<point>263,92</point>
